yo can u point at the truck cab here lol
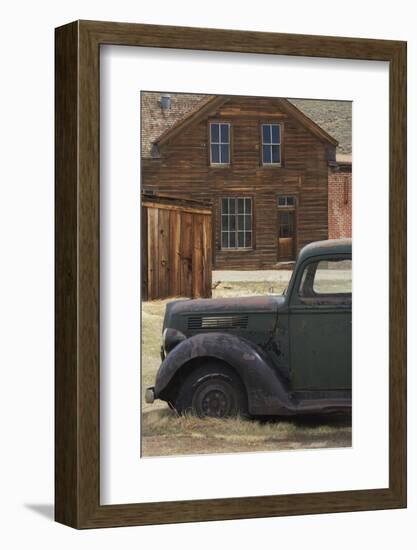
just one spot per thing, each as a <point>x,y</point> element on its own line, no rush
<point>265,355</point>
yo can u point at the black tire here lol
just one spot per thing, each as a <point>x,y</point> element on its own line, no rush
<point>212,390</point>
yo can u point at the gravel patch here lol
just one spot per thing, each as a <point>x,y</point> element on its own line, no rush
<point>268,275</point>
<point>275,276</point>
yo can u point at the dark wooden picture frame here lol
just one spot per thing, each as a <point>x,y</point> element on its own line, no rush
<point>77,375</point>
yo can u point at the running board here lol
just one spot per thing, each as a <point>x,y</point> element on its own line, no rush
<point>322,406</point>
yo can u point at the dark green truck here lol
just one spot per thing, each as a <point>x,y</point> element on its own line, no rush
<point>265,355</point>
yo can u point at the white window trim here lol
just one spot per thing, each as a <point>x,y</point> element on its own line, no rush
<point>278,164</point>
<point>220,143</point>
<point>236,230</point>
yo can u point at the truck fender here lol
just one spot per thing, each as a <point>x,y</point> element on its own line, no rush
<point>266,392</point>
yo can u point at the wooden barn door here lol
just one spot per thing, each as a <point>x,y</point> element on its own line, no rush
<point>287,210</point>
<point>177,254</point>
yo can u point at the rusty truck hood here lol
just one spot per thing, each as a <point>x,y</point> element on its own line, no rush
<point>255,304</point>
<point>253,318</point>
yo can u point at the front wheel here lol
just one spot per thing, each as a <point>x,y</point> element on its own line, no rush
<point>212,391</point>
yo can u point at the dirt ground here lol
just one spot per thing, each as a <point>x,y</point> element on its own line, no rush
<point>165,433</point>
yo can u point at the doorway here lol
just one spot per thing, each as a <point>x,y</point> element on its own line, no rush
<point>287,220</point>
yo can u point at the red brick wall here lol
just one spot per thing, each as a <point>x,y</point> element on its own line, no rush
<point>340,204</point>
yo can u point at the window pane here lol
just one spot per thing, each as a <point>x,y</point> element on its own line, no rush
<point>286,224</point>
<point>233,240</point>
<point>215,157</point>
<point>291,224</point>
<point>232,206</point>
<point>276,153</point>
<point>225,223</point>
<point>276,133</point>
<point>334,277</point>
<point>240,205</point>
<point>232,223</point>
<point>241,239</point>
<point>248,206</point>
<point>266,150</point>
<point>214,133</point>
<point>248,239</point>
<point>266,133</point>
<point>225,206</point>
<point>241,223</point>
<point>284,217</point>
<point>224,133</point>
<point>225,154</point>
<point>248,221</point>
<point>225,240</point>
<point>286,201</point>
<point>305,289</point>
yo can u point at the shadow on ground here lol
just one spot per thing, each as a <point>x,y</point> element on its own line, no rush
<point>45,510</point>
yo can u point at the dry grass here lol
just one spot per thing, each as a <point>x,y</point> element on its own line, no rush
<point>166,433</point>
<point>152,319</point>
<point>158,422</point>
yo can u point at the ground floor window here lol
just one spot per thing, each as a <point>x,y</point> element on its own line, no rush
<point>236,228</point>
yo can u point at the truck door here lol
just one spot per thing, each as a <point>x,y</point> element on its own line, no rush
<point>320,320</point>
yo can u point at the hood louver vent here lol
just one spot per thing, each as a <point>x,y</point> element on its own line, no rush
<point>216,322</point>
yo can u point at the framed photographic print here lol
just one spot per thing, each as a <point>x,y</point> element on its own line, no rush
<point>230,274</point>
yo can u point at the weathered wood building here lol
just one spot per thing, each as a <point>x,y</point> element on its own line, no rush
<point>262,162</point>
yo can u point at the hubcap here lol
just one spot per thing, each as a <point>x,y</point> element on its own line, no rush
<point>215,403</point>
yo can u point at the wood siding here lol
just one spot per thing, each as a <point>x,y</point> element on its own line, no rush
<point>177,249</point>
<point>184,170</point>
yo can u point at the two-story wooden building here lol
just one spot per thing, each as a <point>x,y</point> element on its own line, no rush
<point>262,162</point>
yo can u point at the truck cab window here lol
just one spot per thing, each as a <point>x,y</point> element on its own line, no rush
<point>327,279</point>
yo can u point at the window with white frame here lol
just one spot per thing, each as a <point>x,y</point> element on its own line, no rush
<point>286,200</point>
<point>236,222</point>
<point>271,144</point>
<point>219,143</point>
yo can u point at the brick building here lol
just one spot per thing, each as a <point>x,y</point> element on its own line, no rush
<point>336,118</point>
<point>340,198</point>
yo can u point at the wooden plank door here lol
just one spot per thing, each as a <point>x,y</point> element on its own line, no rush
<point>197,257</point>
<point>152,263</point>
<point>163,253</point>
<point>186,253</point>
<point>175,254</point>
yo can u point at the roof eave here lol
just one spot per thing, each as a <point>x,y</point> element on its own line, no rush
<point>218,100</point>
<point>191,118</point>
<point>308,123</point>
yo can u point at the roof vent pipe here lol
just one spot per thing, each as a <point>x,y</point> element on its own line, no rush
<point>165,102</point>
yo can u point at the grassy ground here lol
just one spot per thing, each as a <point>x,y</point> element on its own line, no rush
<point>166,433</point>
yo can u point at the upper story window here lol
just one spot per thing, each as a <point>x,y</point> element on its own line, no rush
<point>271,144</point>
<point>219,143</point>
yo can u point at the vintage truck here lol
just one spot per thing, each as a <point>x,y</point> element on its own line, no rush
<point>265,355</point>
